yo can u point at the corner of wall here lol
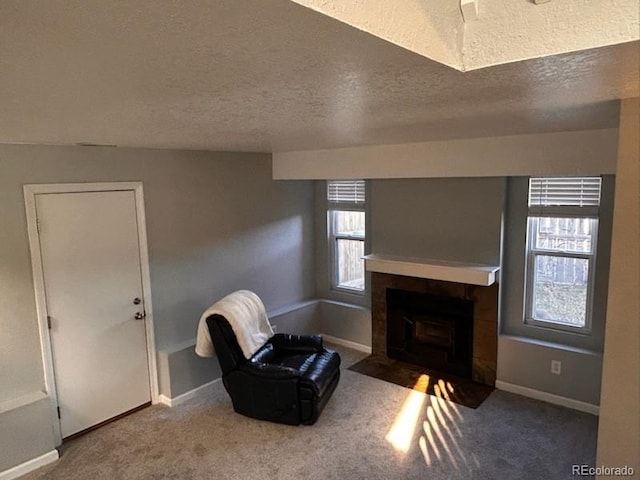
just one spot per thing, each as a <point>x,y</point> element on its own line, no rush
<point>345,321</point>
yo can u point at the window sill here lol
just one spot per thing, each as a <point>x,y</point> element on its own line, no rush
<point>356,298</point>
<point>348,291</point>
<point>553,345</point>
<point>557,327</point>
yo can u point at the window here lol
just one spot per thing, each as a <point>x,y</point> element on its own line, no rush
<point>561,251</point>
<point>346,220</point>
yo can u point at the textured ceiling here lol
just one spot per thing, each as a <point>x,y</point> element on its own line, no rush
<point>504,31</point>
<point>257,75</point>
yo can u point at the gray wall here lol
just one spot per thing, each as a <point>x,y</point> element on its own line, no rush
<point>462,219</point>
<point>525,351</point>
<point>442,218</point>
<point>439,218</point>
<point>216,222</point>
<point>25,433</point>
<point>527,363</point>
<point>345,321</point>
<point>180,370</point>
<point>513,272</point>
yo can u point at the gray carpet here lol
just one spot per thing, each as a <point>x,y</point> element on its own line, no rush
<point>507,437</point>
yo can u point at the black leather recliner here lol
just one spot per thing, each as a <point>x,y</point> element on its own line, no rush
<point>288,380</point>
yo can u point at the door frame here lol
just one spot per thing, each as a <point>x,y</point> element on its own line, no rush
<point>30,192</point>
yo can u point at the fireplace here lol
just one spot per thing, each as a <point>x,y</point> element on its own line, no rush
<point>432,331</point>
<point>444,326</point>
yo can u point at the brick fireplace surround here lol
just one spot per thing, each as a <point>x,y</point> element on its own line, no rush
<point>485,316</point>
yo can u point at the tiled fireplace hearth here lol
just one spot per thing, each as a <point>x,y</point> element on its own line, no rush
<point>484,316</point>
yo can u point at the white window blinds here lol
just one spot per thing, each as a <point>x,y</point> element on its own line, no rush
<point>346,192</point>
<point>565,191</point>
<point>560,196</point>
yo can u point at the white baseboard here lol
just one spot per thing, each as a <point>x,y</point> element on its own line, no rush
<point>347,343</point>
<point>548,397</point>
<point>30,465</point>
<point>196,392</point>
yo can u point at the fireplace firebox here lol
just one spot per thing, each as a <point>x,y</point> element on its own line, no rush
<point>432,331</point>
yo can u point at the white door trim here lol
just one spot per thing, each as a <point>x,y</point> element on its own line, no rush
<point>30,192</point>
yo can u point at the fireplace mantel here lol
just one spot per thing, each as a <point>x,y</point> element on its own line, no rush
<point>468,273</point>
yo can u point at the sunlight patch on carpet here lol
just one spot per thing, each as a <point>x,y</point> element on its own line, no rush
<point>441,432</point>
<point>401,433</point>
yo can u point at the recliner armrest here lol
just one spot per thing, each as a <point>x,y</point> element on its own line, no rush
<point>297,343</point>
<point>266,354</point>
<point>269,371</point>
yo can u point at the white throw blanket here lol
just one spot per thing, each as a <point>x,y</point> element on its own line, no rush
<point>246,314</point>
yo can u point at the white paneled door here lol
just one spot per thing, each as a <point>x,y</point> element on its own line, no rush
<point>91,266</point>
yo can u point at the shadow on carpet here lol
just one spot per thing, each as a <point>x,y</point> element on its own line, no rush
<point>459,390</point>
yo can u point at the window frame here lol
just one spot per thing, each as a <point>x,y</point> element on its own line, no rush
<point>333,237</point>
<point>532,253</point>
<point>561,197</point>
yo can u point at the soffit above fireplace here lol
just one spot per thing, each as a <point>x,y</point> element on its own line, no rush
<point>460,272</point>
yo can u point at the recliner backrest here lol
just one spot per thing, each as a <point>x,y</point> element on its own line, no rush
<point>225,343</point>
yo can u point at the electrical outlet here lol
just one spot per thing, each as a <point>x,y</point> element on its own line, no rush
<point>556,367</point>
<point>274,328</point>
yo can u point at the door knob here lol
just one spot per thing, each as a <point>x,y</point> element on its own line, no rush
<point>136,301</point>
<point>139,315</point>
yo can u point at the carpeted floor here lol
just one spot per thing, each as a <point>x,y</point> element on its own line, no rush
<point>370,430</point>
